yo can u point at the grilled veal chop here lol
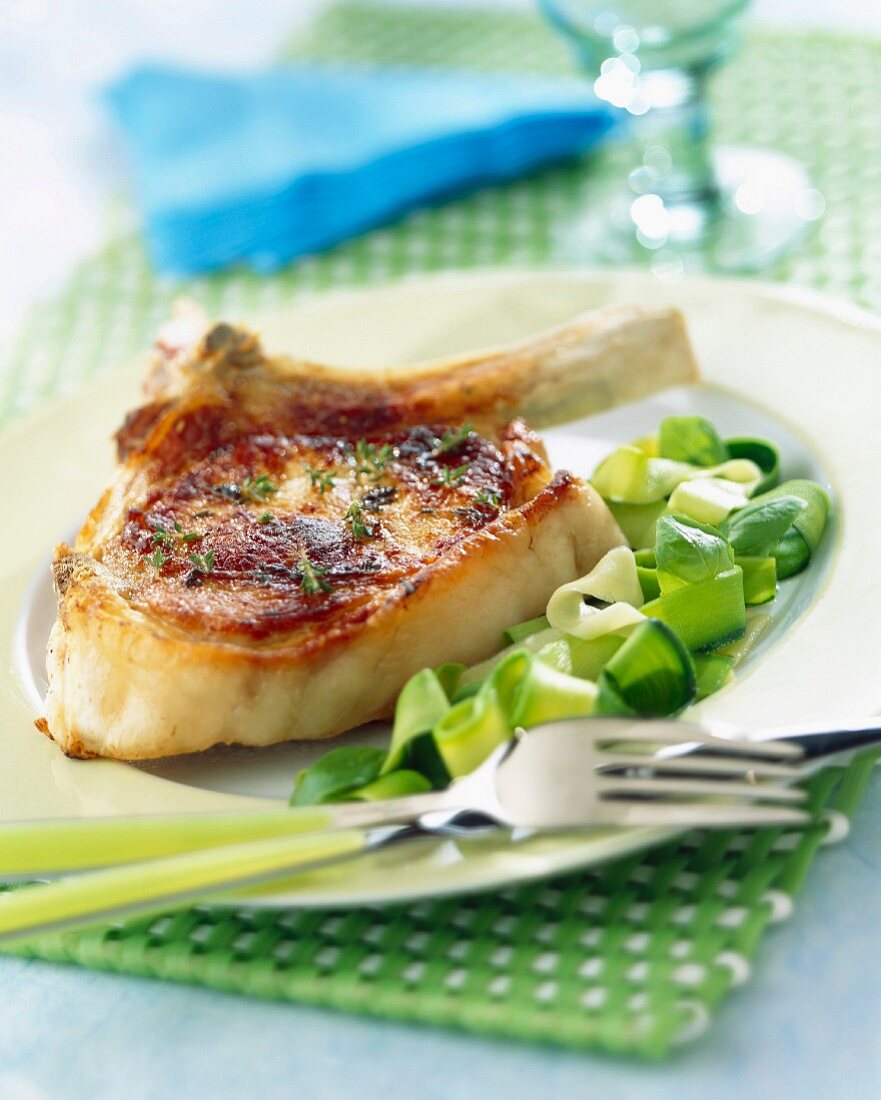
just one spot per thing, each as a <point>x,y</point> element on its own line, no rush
<point>284,544</point>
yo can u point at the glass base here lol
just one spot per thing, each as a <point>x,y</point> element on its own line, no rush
<point>765,204</point>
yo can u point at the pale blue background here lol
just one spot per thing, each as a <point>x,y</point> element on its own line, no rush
<point>807,1025</point>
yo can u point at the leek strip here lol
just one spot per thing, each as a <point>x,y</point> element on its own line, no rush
<point>545,694</point>
<point>613,581</point>
<point>648,582</point>
<point>577,657</point>
<point>791,555</point>
<point>421,705</point>
<point>637,521</point>
<point>521,691</point>
<point>652,675</point>
<point>691,439</point>
<point>449,676</point>
<point>470,730</point>
<point>521,631</point>
<point>759,579</point>
<point>712,672</point>
<point>648,444</point>
<point>478,673</point>
<point>709,500</point>
<point>764,454</point>
<point>646,557</point>
<point>757,625</point>
<point>706,614</point>
<point>811,523</point>
<point>395,785</point>
<point>630,476</point>
<point>336,774</point>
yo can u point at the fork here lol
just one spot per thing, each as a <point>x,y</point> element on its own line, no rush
<point>577,773</point>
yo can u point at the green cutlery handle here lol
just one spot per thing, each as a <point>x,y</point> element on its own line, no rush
<point>46,847</point>
<point>161,884</point>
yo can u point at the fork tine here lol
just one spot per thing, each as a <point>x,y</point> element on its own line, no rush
<point>697,815</point>
<point>760,750</point>
<point>609,786</point>
<point>707,764</point>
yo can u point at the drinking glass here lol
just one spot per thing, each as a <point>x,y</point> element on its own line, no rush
<point>663,195</point>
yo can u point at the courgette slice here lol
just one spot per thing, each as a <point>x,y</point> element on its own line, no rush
<point>712,671</point>
<point>651,675</point>
<point>764,454</point>
<point>759,579</point>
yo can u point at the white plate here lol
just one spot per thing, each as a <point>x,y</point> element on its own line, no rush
<point>794,366</point>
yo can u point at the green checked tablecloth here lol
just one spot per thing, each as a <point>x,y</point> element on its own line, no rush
<point>632,957</point>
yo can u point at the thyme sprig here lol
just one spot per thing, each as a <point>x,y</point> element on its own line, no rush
<point>158,558</point>
<point>489,498</point>
<point>164,540</point>
<point>163,537</point>
<point>452,477</point>
<point>258,489</point>
<point>370,459</point>
<point>312,579</point>
<point>321,479</point>
<point>202,563</point>
<point>362,526</point>
<point>452,440</point>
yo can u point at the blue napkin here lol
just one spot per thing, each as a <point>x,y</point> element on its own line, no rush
<point>265,167</point>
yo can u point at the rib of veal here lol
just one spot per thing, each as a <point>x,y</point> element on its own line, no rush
<point>284,543</point>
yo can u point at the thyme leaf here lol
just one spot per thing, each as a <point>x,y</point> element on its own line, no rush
<point>204,563</point>
<point>362,527</point>
<point>312,577</point>
<point>322,480</point>
<point>452,477</point>
<point>258,488</point>
<point>158,558</point>
<point>490,498</point>
<point>451,441</point>
<point>370,459</point>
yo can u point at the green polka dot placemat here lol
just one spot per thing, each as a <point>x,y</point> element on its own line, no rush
<point>631,957</point>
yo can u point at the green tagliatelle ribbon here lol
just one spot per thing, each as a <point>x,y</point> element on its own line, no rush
<point>630,475</point>
<point>613,584</point>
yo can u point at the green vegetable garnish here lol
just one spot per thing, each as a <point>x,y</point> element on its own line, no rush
<point>372,460</point>
<point>691,439</point>
<point>687,551</point>
<point>203,563</point>
<point>258,488</point>
<point>521,631</point>
<point>704,614</point>
<point>489,498</point>
<point>451,441</point>
<point>647,632</point>
<point>158,558</point>
<point>336,774</point>
<point>312,580</point>
<point>362,527</point>
<point>764,454</point>
<point>322,480</point>
<point>651,675</point>
<point>450,476</point>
